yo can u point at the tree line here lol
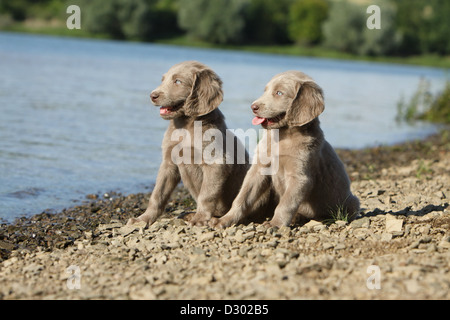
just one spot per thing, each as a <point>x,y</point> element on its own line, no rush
<point>408,27</point>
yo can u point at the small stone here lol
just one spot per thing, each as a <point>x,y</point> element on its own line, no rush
<point>285,231</point>
<point>428,216</point>
<point>312,238</point>
<point>341,223</point>
<point>207,236</point>
<point>239,237</point>
<point>320,227</point>
<point>393,224</point>
<point>250,227</point>
<point>178,211</point>
<point>361,233</point>
<point>88,234</point>
<point>249,235</point>
<point>363,222</point>
<point>386,237</point>
<point>445,242</point>
<point>178,222</point>
<point>272,244</point>
<point>142,294</point>
<point>33,268</point>
<point>412,286</point>
<point>266,252</point>
<point>197,250</point>
<point>6,245</point>
<point>313,223</point>
<point>126,230</point>
<point>243,250</point>
<point>10,262</point>
<point>103,227</point>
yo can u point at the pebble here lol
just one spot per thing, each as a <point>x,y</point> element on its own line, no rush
<point>393,225</point>
<point>126,229</point>
<point>363,222</point>
<point>386,237</point>
<point>312,224</point>
<point>445,242</point>
<point>207,236</point>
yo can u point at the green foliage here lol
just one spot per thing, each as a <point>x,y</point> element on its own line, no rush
<point>342,30</point>
<point>419,102</point>
<point>101,17</point>
<point>439,110</point>
<point>408,27</point>
<point>384,41</point>
<point>130,19</point>
<point>424,26</point>
<point>266,21</point>
<point>305,21</point>
<point>424,106</point>
<point>22,9</point>
<point>346,29</point>
<point>339,213</point>
<point>218,21</point>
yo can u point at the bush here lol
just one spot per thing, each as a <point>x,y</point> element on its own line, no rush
<point>346,29</point>
<point>130,19</point>
<point>342,29</point>
<point>266,21</point>
<point>305,21</point>
<point>439,110</point>
<point>218,21</point>
<point>382,41</point>
<point>424,106</point>
<point>424,26</point>
<point>101,18</point>
<point>19,10</point>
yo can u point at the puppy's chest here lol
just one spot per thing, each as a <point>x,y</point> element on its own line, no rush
<point>286,170</point>
<point>290,163</point>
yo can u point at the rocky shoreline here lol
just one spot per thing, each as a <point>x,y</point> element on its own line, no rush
<point>399,248</point>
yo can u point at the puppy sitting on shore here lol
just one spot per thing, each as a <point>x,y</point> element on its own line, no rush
<point>189,96</point>
<point>311,180</point>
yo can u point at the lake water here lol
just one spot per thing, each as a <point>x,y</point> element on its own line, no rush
<point>76,118</point>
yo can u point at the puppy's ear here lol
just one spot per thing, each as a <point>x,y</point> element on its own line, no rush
<point>206,94</point>
<point>307,106</point>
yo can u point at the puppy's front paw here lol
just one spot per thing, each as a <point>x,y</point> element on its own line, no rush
<point>199,220</point>
<point>274,223</point>
<point>135,221</point>
<point>219,223</point>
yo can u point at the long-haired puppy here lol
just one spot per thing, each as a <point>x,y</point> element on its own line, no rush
<point>310,179</point>
<point>189,96</point>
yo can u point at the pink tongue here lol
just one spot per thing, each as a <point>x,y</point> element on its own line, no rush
<point>163,110</point>
<point>257,121</point>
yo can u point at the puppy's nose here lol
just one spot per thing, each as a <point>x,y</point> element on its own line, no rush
<point>255,107</point>
<point>154,96</point>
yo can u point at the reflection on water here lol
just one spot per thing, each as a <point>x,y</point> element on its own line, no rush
<point>76,116</point>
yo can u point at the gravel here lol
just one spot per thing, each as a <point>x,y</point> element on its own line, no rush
<point>399,247</point>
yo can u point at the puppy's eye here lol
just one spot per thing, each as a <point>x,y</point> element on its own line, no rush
<point>279,93</point>
<point>178,81</point>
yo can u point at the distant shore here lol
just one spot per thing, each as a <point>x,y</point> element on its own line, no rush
<point>56,28</point>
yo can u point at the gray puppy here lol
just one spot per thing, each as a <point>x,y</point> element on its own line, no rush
<point>311,180</point>
<point>190,94</point>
